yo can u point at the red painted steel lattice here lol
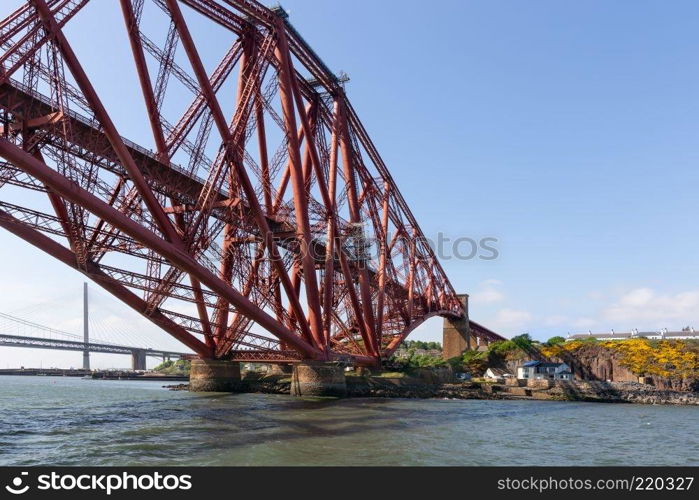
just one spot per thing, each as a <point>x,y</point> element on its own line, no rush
<point>271,231</point>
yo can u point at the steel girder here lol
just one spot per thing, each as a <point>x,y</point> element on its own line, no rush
<point>282,237</point>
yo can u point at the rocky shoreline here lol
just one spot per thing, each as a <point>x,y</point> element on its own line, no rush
<point>381,387</point>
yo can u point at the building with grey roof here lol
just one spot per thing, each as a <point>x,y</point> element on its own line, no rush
<point>663,334</point>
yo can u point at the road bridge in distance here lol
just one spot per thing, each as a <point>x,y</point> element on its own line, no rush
<point>138,354</point>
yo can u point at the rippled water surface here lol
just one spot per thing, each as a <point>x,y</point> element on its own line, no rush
<point>66,421</point>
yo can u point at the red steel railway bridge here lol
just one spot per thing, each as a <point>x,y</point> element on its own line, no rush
<point>255,222</point>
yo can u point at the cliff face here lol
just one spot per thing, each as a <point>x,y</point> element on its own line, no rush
<point>596,362</point>
<point>589,362</point>
<point>593,362</point>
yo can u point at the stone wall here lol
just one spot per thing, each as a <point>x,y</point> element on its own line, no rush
<point>435,374</point>
<point>539,383</point>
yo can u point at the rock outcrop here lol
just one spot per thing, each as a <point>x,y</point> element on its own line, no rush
<point>594,362</point>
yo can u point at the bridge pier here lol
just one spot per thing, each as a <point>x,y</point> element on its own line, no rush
<point>456,334</point>
<point>138,359</point>
<point>214,375</point>
<point>317,378</point>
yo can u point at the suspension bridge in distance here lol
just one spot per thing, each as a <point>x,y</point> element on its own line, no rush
<point>138,355</point>
<point>44,337</point>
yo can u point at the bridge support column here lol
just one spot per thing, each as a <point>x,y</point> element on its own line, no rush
<point>138,359</point>
<point>317,378</point>
<point>214,375</point>
<point>456,334</point>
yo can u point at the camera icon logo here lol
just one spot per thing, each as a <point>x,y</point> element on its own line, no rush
<point>16,487</point>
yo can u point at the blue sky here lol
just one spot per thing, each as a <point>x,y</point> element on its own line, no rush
<point>566,130</point>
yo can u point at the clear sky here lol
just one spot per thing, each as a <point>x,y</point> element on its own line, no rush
<point>566,130</point>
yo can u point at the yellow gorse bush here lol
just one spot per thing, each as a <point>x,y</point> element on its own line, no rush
<point>664,358</point>
<point>556,350</point>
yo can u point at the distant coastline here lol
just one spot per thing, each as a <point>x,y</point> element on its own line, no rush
<point>99,374</point>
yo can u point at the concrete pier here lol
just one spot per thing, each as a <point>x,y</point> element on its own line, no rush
<point>138,359</point>
<point>314,378</point>
<point>214,375</point>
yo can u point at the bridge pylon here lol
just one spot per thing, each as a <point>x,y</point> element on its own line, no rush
<point>86,330</point>
<point>138,360</point>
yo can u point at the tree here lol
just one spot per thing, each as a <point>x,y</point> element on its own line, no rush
<point>420,344</point>
<point>169,367</point>
<point>557,340</point>
<point>165,365</point>
<point>523,341</point>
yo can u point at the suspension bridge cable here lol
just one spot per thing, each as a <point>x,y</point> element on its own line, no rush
<point>42,328</point>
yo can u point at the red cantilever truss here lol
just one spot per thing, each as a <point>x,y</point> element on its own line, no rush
<point>270,231</point>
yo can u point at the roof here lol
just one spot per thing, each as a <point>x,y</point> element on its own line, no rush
<point>498,371</point>
<point>620,335</point>
<point>542,364</point>
<point>635,334</point>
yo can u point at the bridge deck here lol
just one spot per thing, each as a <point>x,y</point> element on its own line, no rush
<point>70,345</point>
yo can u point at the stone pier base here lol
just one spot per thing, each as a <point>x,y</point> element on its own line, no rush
<point>318,379</point>
<point>209,375</point>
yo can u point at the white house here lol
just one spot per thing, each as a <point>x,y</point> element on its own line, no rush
<point>538,370</point>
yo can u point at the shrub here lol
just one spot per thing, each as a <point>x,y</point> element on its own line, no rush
<point>665,358</point>
<point>502,347</point>
<point>413,361</point>
<point>475,362</point>
<point>523,341</point>
<point>555,341</point>
<point>419,344</point>
<point>169,367</point>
